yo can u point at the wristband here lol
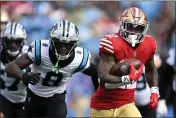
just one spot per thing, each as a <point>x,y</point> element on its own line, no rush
<point>154,89</point>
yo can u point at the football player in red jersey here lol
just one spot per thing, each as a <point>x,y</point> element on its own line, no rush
<point>115,97</point>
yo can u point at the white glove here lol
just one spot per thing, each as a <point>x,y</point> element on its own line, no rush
<point>162,108</point>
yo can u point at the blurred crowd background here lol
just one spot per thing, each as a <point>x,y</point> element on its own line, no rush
<point>94,20</point>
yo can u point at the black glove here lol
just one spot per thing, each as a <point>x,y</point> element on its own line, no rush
<point>31,78</point>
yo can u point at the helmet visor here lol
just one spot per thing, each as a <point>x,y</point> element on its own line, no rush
<point>134,28</point>
<point>13,44</point>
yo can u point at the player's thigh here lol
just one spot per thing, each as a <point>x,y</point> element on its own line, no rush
<point>56,106</point>
<point>147,112</point>
<point>101,113</point>
<point>34,105</point>
<point>129,110</point>
<point>5,107</point>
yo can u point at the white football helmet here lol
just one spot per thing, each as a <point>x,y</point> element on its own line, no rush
<point>64,38</point>
<point>13,36</point>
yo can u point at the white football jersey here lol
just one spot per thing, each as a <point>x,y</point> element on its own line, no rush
<point>12,89</point>
<point>142,92</point>
<point>51,83</point>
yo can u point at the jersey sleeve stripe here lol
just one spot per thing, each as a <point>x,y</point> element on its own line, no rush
<point>106,47</point>
<point>109,50</point>
<point>105,40</point>
<point>38,52</point>
<point>105,44</point>
<point>84,61</point>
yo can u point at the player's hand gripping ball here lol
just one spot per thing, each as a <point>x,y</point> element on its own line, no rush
<point>123,67</point>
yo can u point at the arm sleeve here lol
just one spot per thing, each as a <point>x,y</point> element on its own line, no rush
<point>31,52</point>
<point>34,52</point>
<point>92,71</point>
<point>88,61</point>
<point>106,46</point>
<point>154,46</point>
<point>25,49</point>
<point>85,63</point>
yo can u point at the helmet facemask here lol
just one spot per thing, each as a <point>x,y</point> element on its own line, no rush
<point>63,48</point>
<point>12,46</point>
<point>133,33</point>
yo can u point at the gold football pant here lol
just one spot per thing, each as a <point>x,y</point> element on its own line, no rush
<point>128,110</point>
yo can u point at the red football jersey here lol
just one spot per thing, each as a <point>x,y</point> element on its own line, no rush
<point>118,47</point>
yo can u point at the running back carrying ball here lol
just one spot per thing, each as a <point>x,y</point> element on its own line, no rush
<point>122,68</point>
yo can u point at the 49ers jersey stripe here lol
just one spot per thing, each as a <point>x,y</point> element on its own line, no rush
<point>105,40</point>
<point>106,45</point>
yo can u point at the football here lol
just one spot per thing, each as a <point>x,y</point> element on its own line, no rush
<point>122,68</point>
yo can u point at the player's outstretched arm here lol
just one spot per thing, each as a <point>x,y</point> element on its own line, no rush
<point>106,63</point>
<point>93,72</point>
<point>15,68</point>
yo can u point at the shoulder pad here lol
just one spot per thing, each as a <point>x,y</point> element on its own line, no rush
<point>45,43</point>
<point>106,44</point>
<point>34,52</point>
<point>109,36</point>
<point>24,49</point>
<point>85,63</point>
<point>153,43</point>
<point>79,50</point>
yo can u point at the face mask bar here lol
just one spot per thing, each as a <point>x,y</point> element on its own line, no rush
<point>12,46</point>
<point>66,55</point>
<point>134,28</point>
<point>133,33</point>
<point>60,57</point>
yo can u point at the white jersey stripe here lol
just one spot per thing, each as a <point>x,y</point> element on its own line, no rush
<point>109,50</point>
<point>107,45</point>
<point>107,41</point>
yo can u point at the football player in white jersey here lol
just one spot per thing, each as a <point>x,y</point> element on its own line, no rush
<point>142,93</point>
<point>12,91</point>
<point>53,61</point>
<point>142,98</point>
<point>4,19</point>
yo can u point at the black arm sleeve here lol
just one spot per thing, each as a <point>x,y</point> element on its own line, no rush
<point>93,72</point>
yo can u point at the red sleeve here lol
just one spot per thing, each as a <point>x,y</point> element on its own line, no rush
<point>153,45</point>
<point>106,45</point>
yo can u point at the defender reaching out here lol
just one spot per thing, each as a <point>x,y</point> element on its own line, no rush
<point>53,61</point>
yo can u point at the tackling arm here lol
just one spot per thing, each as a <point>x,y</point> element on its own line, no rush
<point>14,68</point>
<point>93,72</point>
